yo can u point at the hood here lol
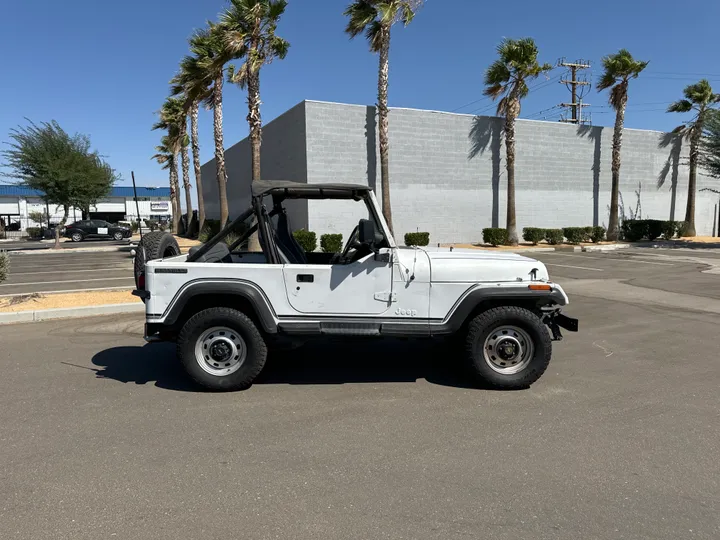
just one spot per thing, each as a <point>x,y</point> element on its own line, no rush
<point>479,265</point>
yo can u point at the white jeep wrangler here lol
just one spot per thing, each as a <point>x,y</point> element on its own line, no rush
<point>225,307</point>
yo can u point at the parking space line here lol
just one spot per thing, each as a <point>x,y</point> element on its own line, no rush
<point>568,266</point>
<point>66,281</point>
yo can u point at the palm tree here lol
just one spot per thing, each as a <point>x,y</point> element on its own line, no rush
<point>167,157</point>
<point>507,79</point>
<point>192,84</point>
<point>249,32</point>
<point>375,18</point>
<point>173,118</point>
<point>699,97</point>
<point>710,144</point>
<point>619,69</point>
<point>201,79</point>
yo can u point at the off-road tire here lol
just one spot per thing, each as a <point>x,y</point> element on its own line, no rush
<point>482,326</point>
<point>256,350</point>
<point>154,245</point>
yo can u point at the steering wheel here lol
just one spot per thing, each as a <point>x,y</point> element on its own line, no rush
<point>351,244</point>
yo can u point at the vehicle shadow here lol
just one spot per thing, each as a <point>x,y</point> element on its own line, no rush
<point>344,362</point>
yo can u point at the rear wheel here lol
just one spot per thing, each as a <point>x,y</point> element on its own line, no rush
<point>222,349</point>
<point>76,237</point>
<point>508,347</point>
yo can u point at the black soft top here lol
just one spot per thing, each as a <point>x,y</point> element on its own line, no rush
<point>286,189</point>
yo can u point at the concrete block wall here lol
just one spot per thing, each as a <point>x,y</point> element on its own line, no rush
<point>282,157</point>
<point>448,176</point>
<point>341,147</point>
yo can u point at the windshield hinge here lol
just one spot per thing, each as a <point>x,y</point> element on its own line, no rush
<point>386,296</point>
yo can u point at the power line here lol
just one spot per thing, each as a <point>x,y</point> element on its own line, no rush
<point>538,86</point>
<point>538,113</point>
<point>689,73</point>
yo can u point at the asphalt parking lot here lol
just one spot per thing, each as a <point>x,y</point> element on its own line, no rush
<point>102,436</point>
<point>52,272</point>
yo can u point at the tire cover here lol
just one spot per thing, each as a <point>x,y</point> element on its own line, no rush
<point>154,245</point>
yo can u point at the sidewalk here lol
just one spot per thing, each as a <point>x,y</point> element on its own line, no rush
<point>39,306</point>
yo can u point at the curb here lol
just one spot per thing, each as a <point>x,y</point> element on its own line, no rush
<point>68,313</point>
<point>612,247</point>
<point>41,251</point>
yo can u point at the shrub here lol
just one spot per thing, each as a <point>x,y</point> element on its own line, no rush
<point>554,236</point>
<point>597,234</point>
<point>654,228</point>
<point>588,233</point>
<point>634,230</point>
<point>34,232</point>
<point>162,225</point>
<point>669,229</point>
<point>152,224</point>
<point>306,239</point>
<point>682,229</point>
<point>4,265</point>
<point>533,235</point>
<point>417,238</point>
<point>210,229</point>
<point>495,236</point>
<point>575,235</point>
<point>331,243</point>
<point>134,227</point>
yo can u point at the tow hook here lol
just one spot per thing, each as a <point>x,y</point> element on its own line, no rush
<point>549,320</point>
<point>555,329</point>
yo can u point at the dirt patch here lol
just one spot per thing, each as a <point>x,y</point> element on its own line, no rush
<point>701,239</point>
<point>35,301</point>
<point>183,243</point>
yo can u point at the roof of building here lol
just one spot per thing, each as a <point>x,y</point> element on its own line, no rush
<point>117,191</point>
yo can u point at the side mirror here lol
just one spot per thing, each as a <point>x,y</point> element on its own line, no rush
<point>366,232</point>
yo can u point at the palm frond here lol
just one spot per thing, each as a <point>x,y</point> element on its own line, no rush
<point>497,74</point>
<point>374,35</point>
<point>360,14</point>
<point>279,47</point>
<point>681,106</point>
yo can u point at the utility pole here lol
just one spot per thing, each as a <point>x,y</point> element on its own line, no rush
<point>578,89</point>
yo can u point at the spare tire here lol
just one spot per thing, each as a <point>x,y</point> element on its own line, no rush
<point>154,245</point>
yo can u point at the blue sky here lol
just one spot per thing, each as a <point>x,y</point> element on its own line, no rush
<point>102,68</point>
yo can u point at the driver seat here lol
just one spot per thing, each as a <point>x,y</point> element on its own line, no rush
<point>286,241</point>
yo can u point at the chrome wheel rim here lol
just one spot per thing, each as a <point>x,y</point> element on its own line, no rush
<point>118,236</point>
<point>508,350</point>
<point>220,351</point>
<point>76,237</point>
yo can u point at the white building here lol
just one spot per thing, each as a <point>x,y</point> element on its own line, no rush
<point>17,203</point>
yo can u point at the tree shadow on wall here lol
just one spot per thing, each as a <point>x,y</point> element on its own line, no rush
<point>371,145</point>
<point>486,132</point>
<point>594,133</point>
<point>671,167</point>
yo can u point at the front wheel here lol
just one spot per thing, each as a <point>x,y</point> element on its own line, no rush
<point>222,349</point>
<point>508,347</point>
<point>118,236</point>
<point>76,237</point>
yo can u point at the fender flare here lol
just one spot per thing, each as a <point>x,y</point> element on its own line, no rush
<point>239,288</point>
<point>464,307</point>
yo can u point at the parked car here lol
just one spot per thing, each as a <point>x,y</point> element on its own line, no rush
<point>95,228</point>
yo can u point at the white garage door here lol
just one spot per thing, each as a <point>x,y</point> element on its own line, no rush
<point>8,205</point>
